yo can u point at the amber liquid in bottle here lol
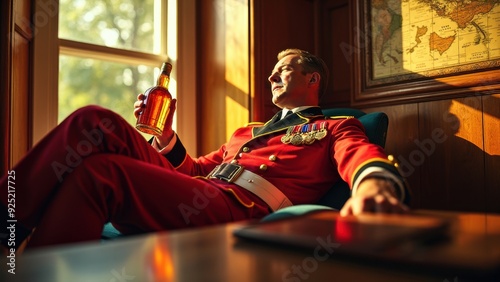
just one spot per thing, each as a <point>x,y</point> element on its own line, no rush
<point>156,104</point>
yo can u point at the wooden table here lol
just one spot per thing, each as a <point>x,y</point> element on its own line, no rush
<point>214,254</point>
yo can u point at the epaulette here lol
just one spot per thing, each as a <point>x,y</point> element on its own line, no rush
<point>340,117</point>
<point>254,123</point>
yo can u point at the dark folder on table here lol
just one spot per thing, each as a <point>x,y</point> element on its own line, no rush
<point>411,239</point>
<point>365,234</point>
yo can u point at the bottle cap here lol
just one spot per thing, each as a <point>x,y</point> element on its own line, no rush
<point>166,67</point>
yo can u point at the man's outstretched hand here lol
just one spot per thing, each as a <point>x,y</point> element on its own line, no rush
<point>374,195</point>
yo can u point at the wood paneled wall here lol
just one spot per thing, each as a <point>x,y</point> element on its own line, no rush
<point>449,151</point>
<point>5,85</point>
<point>491,135</point>
<point>16,81</point>
<point>223,70</point>
<point>277,25</point>
<point>448,146</point>
<point>319,26</point>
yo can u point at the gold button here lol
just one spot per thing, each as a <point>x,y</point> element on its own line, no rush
<point>390,158</point>
<point>246,149</point>
<point>272,158</point>
<point>263,167</point>
<point>234,161</point>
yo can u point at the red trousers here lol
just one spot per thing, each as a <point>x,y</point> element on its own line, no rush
<point>95,168</point>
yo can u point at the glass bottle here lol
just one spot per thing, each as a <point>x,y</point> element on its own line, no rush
<point>152,118</point>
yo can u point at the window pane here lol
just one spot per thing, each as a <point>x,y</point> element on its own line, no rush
<point>93,82</point>
<point>124,24</point>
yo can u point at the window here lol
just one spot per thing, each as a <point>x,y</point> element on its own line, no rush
<point>109,51</point>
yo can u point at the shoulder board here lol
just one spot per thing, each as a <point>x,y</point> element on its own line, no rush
<point>254,123</point>
<point>340,117</point>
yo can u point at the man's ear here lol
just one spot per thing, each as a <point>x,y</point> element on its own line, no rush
<point>314,78</point>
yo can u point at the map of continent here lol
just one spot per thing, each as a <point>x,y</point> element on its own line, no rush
<point>433,37</point>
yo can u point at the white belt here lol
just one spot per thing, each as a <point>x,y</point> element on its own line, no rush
<point>254,183</point>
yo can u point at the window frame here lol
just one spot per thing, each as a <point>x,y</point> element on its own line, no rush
<point>99,52</point>
<point>45,65</point>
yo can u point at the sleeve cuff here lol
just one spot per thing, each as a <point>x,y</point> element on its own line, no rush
<point>382,173</point>
<point>167,148</point>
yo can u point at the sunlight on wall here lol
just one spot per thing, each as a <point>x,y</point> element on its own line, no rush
<point>479,111</point>
<point>470,116</point>
<point>237,116</point>
<point>492,124</point>
<point>237,65</point>
<point>172,49</point>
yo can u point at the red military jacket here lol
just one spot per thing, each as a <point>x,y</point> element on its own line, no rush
<point>302,170</point>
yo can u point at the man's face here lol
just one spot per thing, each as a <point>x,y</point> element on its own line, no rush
<point>289,85</point>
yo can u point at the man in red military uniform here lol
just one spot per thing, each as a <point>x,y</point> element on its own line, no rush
<point>95,168</point>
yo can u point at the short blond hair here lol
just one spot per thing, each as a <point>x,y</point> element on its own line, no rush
<point>310,63</point>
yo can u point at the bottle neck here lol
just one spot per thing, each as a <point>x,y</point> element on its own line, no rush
<point>163,80</point>
<point>164,77</point>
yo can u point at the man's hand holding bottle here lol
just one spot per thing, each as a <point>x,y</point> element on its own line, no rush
<point>167,133</point>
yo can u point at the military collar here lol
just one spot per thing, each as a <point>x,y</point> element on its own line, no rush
<point>275,124</point>
<point>296,110</point>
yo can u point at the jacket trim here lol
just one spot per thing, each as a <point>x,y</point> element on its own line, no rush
<point>384,163</point>
<point>177,155</point>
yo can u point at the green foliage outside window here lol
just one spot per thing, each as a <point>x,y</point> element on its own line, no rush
<point>124,24</point>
